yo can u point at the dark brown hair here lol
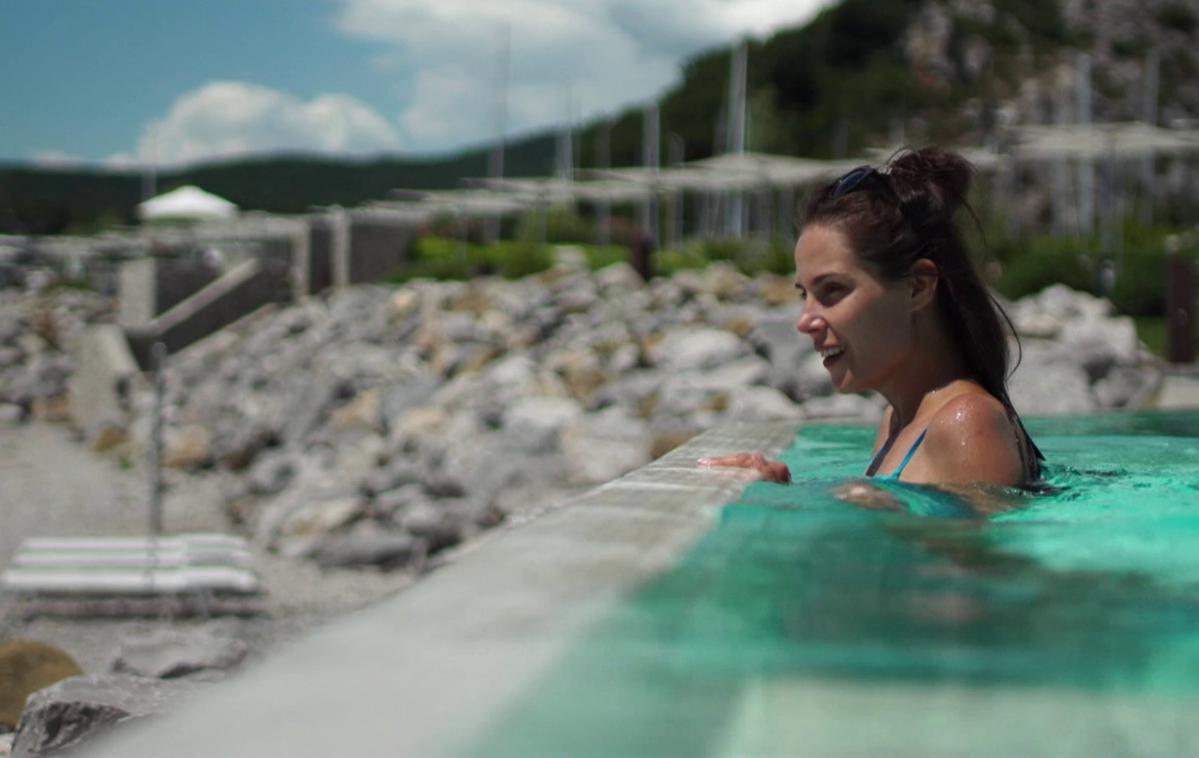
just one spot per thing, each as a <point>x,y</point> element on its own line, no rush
<point>904,211</point>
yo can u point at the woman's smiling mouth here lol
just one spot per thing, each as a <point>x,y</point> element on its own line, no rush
<point>830,354</point>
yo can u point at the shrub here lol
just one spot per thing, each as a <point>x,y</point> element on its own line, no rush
<point>436,258</point>
<point>561,224</point>
<point>514,259</point>
<point>442,258</point>
<point>1140,287</point>
<point>671,260</point>
<point>1033,264</point>
<point>749,255</point>
<point>599,256</point>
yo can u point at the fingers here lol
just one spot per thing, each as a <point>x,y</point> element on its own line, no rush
<point>772,471</point>
<point>736,460</point>
<point>777,472</point>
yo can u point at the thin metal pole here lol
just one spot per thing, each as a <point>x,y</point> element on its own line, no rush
<point>1149,116</point>
<point>495,161</point>
<point>677,148</point>
<point>1086,166</point>
<point>736,133</point>
<point>566,140</point>
<point>651,131</point>
<point>495,166</point>
<point>603,158</point>
<point>150,169</point>
<point>158,355</point>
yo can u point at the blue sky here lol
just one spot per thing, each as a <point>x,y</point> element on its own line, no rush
<point>123,82</point>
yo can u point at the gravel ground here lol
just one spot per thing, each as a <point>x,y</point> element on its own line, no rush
<point>52,486</point>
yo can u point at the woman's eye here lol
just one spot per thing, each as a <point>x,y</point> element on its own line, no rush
<point>832,292</point>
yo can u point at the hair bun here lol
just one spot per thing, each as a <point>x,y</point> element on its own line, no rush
<point>930,183</point>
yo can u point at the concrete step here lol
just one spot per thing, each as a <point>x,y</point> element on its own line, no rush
<point>192,563</point>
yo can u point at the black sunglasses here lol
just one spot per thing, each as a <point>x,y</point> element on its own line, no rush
<point>851,181</point>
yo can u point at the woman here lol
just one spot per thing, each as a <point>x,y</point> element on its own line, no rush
<point>893,303</point>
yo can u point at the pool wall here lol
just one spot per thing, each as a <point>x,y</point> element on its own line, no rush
<point>427,671</point>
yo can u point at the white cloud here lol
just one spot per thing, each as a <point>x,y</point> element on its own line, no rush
<point>55,159</point>
<point>122,161</point>
<point>607,54</point>
<point>226,118</point>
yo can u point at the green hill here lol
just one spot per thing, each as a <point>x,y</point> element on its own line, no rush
<point>51,201</point>
<point>863,72</point>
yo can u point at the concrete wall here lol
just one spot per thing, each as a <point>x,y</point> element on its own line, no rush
<point>102,383</point>
<point>434,670</point>
<point>180,301</point>
<point>242,290</point>
<point>278,249</point>
<point>150,286</point>
<point>378,250</point>
<point>421,673</point>
<point>137,293</point>
<point>373,250</point>
<point>320,254</point>
<point>178,279</point>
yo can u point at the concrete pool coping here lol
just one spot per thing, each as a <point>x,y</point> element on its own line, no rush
<point>423,672</point>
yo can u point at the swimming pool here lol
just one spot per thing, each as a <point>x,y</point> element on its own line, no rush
<point>802,625</point>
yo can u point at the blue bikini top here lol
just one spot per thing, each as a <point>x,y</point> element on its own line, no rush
<point>882,453</point>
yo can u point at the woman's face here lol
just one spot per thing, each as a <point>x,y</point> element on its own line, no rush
<point>861,324</point>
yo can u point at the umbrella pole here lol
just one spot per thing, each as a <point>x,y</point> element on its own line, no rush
<point>158,355</point>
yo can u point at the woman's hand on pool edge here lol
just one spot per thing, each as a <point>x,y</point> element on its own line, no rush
<point>766,469</point>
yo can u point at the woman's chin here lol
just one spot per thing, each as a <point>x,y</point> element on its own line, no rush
<point>845,385</point>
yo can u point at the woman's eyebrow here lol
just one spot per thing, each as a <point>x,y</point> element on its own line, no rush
<point>815,281</point>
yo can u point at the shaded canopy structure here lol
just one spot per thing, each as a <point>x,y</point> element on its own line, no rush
<point>187,203</point>
<point>1102,141</point>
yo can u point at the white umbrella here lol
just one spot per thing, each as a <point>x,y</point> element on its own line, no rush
<point>187,203</point>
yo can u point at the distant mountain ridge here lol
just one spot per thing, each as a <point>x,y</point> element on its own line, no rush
<point>862,72</point>
<point>37,200</point>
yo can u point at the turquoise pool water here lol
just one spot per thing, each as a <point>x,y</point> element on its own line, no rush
<point>1089,589</point>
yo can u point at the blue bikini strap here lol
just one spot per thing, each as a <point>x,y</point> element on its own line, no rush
<point>911,451</point>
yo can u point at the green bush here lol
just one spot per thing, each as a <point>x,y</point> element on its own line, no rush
<point>778,257</point>
<point>722,249</point>
<point>560,224</point>
<point>1028,265</point>
<point>671,260</point>
<point>443,258</point>
<point>1031,265</point>
<point>514,259</point>
<point>599,256</point>
<point>749,255</point>
<point>1140,286</point>
<point>437,258</point>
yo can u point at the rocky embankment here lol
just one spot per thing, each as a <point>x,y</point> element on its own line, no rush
<point>376,426</point>
<point>36,332</point>
<point>380,425</point>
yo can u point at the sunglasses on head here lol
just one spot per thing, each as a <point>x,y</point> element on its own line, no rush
<point>852,181</point>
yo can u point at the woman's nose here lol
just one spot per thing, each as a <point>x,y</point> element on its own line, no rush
<point>809,322</point>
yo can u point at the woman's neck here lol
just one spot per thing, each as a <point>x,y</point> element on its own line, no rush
<point>933,365</point>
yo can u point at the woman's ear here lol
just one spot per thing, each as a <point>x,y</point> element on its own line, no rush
<point>924,278</point>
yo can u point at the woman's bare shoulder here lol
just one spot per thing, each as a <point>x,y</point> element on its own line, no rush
<point>971,440</point>
<point>972,406</point>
